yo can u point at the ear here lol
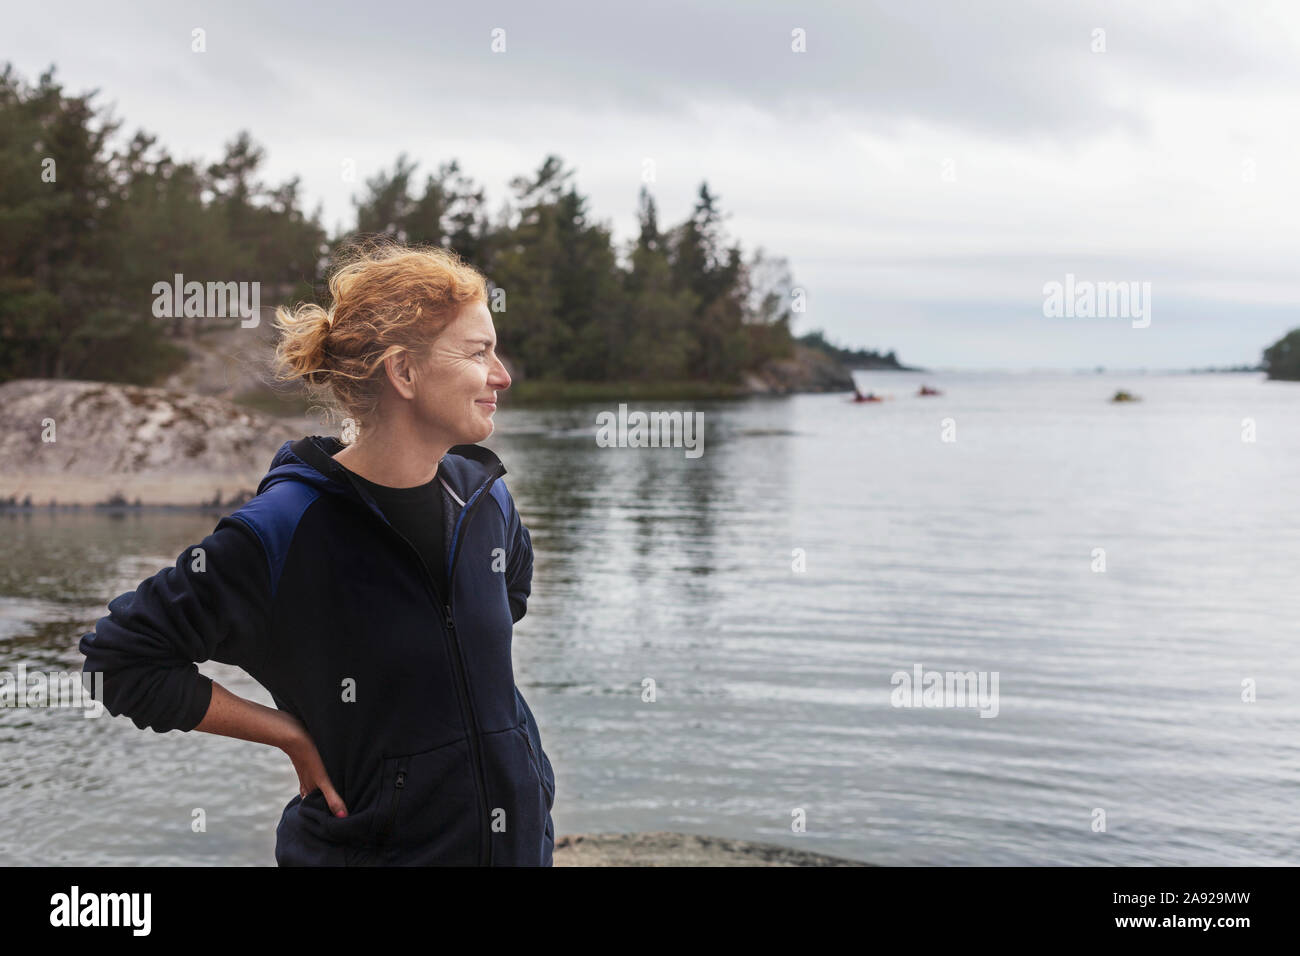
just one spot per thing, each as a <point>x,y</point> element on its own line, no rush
<point>400,369</point>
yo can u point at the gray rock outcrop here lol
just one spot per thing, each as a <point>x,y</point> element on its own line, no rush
<point>163,446</point>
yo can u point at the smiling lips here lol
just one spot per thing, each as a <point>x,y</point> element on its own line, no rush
<point>486,402</point>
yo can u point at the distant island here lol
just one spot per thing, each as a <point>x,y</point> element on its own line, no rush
<point>854,358</point>
<point>677,311</point>
<point>1282,358</point>
<point>1225,369</point>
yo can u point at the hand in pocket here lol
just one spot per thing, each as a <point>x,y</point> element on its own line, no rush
<point>311,773</point>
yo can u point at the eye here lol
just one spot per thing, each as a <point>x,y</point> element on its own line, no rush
<point>481,352</point>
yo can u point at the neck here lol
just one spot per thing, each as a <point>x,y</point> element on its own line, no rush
<point>395,460</point>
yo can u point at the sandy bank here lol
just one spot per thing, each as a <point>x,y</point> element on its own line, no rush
<point>681,849</point>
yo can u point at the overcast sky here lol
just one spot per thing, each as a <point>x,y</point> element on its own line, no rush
<point>925,167</point>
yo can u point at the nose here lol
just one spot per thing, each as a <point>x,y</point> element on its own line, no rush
<point>500,378</point>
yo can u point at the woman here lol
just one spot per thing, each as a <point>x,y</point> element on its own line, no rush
<point>371,588</point>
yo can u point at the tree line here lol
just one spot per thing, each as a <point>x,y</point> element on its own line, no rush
<point>88,226</point>
<point>852,358</point>
<point>1282,358</point>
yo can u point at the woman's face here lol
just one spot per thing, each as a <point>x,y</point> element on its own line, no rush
<point>459,379</point>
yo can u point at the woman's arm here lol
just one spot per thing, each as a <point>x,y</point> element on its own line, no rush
<point>213,604</point>
<point>232,716</point>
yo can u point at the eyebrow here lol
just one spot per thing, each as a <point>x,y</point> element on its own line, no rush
<point>488,342</point>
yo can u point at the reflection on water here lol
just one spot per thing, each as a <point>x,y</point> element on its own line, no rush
<point>1119,690</point>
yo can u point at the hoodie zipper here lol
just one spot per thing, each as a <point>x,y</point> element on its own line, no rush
<point>485,846</point>
<point>485,841</point>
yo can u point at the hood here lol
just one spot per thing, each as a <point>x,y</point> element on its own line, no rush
<point>466,468</point>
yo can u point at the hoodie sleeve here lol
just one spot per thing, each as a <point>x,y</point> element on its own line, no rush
<point>519,569</point>
<point>214,604</point>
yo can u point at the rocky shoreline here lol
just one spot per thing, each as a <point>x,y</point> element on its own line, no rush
<point>808,370</point>
<point>682,849</point>
<point>67,442</point>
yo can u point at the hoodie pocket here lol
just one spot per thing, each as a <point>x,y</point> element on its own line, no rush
<point>548,786</point>
<point>536,752</point>
<point>394,770</point>
<point>428,801</point>
<point>302,836</point>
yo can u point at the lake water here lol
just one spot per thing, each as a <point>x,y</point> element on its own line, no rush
<point>1119,691</point>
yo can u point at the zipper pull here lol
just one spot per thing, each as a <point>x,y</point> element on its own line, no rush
<point>401,779</point>
<point>451,625</point>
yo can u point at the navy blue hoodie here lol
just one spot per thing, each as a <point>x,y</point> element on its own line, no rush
<point>408,694</point>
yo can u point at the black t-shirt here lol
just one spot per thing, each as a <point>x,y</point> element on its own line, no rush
<point>417,513</point>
